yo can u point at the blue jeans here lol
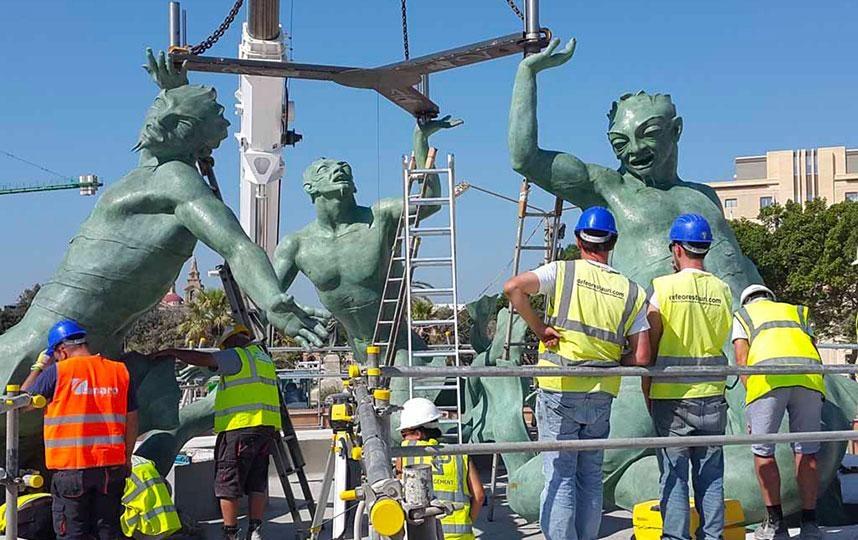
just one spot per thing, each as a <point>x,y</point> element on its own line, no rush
<point>686,417</point>
<point>571,504</point>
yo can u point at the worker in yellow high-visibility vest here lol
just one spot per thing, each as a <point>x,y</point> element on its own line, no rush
<point>593,313</point>
<point>247,420</point>
<point>455,479</point>
<point>771,333</point>
<point>690,314</point>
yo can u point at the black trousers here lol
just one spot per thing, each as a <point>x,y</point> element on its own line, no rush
<point>87,503</point>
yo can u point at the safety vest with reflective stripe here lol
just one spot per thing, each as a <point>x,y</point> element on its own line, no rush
<point>779,335</point>
<point>592,309</point>
<point>23,502</point>
<point>85,420</point>
<point>696,315</point>
<point>450,483</point>
<point>250,397</point>
<point>149,510</point>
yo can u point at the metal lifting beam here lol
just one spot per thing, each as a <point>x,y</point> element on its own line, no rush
<point>394,81</point>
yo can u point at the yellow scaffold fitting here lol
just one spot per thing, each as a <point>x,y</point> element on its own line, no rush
<point>373,371</point>
<point>381,394</point>
<point>373,349</point>
<point>354,371</point>
<point>387,517</point>
<point>357,453</point>
<point>38,401</point>
<point>340,413</point>
<point>34,481</point>
<point>346,383</point>
<point>348,495</point>
<point>13,388</point>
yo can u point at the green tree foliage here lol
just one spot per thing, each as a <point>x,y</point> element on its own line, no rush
<point>157,329</point>
<point>804,255</point>
<point>207,317</point>
<point>12,314</point>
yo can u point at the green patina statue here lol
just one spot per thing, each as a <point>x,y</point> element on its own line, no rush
<point>346,251</point>
<point>645,195</point>
<point>131,248</point>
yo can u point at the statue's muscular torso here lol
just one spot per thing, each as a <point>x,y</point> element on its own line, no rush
<point>127,253</point>
<point>348,268</point>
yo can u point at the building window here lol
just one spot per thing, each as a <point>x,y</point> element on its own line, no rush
<point>852,196</point>
<point>766,201</point>
<point>730,203</point>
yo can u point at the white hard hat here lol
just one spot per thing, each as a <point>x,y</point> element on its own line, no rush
<point>752,290</point>
<point>417,412</point>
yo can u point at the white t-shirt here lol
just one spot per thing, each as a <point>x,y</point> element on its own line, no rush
<point>653,301</point>
<point>547,275</point>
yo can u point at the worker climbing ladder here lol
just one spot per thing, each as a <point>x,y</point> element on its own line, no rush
<point>446,289</point>
<point>288,458</point>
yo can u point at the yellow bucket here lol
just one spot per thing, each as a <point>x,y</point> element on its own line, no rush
<point>646,518</point>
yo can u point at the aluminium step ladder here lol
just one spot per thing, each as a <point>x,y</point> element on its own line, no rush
<point>288,458</point>
<point>415,207</point>
<point>390,309</point>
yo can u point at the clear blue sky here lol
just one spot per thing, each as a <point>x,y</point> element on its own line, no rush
<point>746,76</point>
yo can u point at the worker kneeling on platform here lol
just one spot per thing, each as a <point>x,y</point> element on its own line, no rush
<point>455,479</point>
<point>247,418</point>
<point>689,314</point>
<point>771,333</point>
<point>90,430</point>
<point>592,312</point>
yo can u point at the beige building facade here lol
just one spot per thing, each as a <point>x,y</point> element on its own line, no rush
<point>789,175</point>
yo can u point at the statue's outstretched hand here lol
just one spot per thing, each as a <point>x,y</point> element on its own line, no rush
<point>164,72</point>
<point>548,58</point>
<point>433,126</point>
<point>295,322</point>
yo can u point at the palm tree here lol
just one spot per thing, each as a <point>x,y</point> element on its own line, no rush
<point>207,317</point>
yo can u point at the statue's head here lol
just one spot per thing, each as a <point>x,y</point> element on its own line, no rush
<point>644,131</point>
<point>329,178</point>
<point>183,121</point>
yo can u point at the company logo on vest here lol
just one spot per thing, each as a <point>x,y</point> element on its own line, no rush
<point>80,387</point>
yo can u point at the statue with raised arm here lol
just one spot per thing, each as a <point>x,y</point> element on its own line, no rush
<point>131,248</point>
<point>345,252</point>
<point>645,194</point>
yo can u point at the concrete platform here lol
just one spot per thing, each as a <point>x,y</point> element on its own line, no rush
<point>506,525</point>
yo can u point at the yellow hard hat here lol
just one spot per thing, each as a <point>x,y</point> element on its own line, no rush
<point>233,331</point>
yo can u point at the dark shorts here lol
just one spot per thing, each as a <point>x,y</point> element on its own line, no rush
<point>87,503</point>
<point>241,461</point>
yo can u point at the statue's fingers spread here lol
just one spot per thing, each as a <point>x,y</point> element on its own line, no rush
<point>151,62</point>
<point>171,67</point>
<point>456,122</point>
<point>300,341</point>
<point>320,330</point>
<point>553,45</point>
<point>570,48</point>
<point>311,337</point>
<point>162,60</point>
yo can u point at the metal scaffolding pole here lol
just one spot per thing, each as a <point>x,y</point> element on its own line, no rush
<point>658,373</point>
<point>620,444</point>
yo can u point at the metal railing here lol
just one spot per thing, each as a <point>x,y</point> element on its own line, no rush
<point>11,404</point>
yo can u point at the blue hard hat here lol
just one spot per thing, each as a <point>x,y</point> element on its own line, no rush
<point>691,229</point>
<point>65,330</point>
<point>596,225</point>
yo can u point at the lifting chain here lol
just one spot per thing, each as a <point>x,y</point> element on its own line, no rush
<point>405,30</point>
<point>207,43</point>
<point>515,9</point>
